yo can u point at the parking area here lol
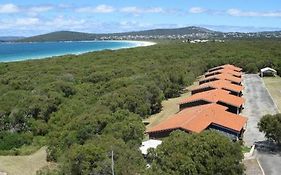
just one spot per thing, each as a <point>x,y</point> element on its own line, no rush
<point>259,103</point>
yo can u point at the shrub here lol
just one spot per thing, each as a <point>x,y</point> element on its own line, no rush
<point>9,140</point>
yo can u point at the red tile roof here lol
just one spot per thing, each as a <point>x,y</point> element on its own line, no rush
<point>197,119</point>
<point>225,70</point>
<point>229,66</point>
<point>220,84</point>
<point>214,96</point>
<point>223,76</point>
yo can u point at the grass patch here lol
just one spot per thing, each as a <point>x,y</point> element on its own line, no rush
<point>273,84</point>
<point>246,149</point>
<point>24,165</point>
<point>37,143</point>
<point>169,108</point>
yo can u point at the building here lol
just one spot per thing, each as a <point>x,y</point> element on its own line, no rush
<point>219,84</point>
<point>149,144</point>
<point>233,103</point>
<point>226,66</point>
<point>197,119</point>
<point>267,71</point>
<point>224,76</point>
<point>214,104</point>
<point>224,71</point>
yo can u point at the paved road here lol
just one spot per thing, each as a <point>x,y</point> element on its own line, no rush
<point>252,167</point>
<point>258,103</point>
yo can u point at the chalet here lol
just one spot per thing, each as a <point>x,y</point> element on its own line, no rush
<point>224,71</point>
<point>233,103</point>
<point>219,84</point>
<point>226,66</point>
<point>224,76</point>
<point>200,118</point>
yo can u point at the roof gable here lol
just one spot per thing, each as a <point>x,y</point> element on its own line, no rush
<point>220,84</point>
<point>214,96</point>
<point>199,118</point>
<point>223,76</point>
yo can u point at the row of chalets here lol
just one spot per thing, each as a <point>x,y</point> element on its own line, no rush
<point>216,103</point>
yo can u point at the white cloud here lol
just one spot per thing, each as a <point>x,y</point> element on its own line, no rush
<point>61,22</point>
<point>98,9</point>
<point>40,9</point>
<point>9,8</point>
<point>19,23</point>
<point>26,21</point>
<point>197,10</point>
<point>30,23</point>
<point>136,10</point>
<point>35,10</point>
<point>30,10</point>
<point>237,12</point>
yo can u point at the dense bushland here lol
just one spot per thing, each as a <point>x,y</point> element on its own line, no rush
<point>93,103</point>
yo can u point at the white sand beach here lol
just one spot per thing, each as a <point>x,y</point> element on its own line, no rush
<point>142,43</point>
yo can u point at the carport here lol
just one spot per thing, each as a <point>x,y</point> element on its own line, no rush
<point>267,71</point>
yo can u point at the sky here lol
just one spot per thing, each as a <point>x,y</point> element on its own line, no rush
<point>33,17</point>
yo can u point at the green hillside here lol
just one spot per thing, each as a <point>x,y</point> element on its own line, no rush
<point>176,31</point>
<point>60,36</point>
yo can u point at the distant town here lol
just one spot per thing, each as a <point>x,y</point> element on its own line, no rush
<point>191,33</point>
<point>194,36</point>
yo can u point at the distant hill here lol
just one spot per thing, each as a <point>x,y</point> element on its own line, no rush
<point>60,36</point>
<point>177,31</point>
<point>191,32</point>
<point>10,38</point>
<point>76,36</point>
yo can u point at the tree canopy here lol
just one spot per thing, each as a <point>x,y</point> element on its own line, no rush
<point>205,153</point>
<point>271,126</point>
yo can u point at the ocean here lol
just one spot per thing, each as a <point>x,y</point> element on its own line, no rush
<point>25,51</point>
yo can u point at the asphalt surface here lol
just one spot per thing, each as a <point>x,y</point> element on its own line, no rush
<point>259,103</point>
<point>252,167</point>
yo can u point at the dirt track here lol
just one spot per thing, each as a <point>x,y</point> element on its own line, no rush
<point>23,165</point>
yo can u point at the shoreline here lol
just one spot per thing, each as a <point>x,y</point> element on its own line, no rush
<point>135,45</point>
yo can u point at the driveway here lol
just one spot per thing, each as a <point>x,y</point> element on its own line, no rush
<point>259,103</point>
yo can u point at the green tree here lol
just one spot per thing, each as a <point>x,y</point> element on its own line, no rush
<point>271,126</point>
<point>94,157</point>
<point>205,153</point>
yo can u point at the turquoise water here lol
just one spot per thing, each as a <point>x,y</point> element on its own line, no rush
<point>25,51</point>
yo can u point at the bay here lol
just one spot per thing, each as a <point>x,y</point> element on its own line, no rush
<point>24,51</point>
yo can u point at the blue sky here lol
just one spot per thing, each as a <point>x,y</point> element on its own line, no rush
<point>32,17</point>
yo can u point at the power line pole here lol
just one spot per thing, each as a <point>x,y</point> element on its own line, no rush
<point>112,163</point>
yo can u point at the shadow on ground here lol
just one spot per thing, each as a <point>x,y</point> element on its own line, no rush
<point>268,147</point>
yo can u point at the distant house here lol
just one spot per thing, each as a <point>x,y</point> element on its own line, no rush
<point>233,103</point>
<point>200,118</point>
<point>219,84</point>
<point>149,144</point>
<point>267,71</point>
